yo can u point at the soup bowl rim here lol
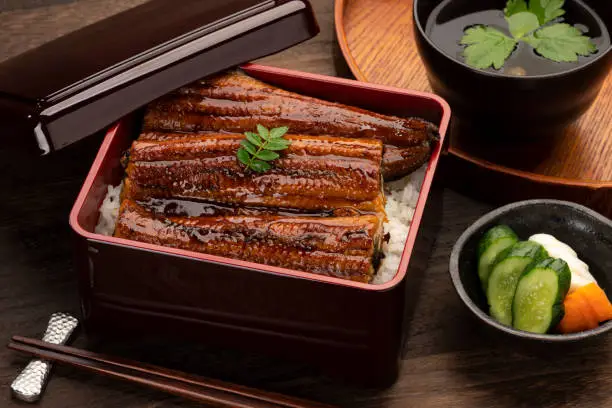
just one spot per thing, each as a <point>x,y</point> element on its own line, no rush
<point>602,54</point>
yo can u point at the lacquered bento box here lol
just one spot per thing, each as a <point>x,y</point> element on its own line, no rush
<point>346,327</point>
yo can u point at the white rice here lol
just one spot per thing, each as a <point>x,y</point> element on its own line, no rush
<point>401,195</point>
<point>109,211</point>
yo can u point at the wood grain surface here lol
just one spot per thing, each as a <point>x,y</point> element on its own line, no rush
<point>376,37</point>
<point>451,359</point>
<point>26,27</point>
<point>6,5</point>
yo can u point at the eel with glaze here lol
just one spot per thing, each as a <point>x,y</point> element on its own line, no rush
<point>235,102</point>
<point>314,174</point>
<point>343,247</point>
<point>173,207</point>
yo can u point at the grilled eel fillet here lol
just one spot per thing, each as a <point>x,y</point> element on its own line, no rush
<point>315,174</point>
<point>344,247</point>
<point>235,102</point>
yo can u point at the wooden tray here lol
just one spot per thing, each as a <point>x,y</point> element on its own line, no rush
<point>376,38</point>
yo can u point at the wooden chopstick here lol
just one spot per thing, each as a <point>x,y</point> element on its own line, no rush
<point>204,390</point>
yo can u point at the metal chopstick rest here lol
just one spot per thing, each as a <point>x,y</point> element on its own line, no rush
<point>29,384</point>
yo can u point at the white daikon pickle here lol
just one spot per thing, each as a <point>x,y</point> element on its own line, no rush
<point>557,249</point>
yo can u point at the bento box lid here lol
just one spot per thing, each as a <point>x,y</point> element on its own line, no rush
<point>81,83</point>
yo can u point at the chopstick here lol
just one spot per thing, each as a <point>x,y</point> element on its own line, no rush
<point>204,390</point>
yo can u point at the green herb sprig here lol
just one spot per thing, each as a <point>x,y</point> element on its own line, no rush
<point>538,24</point>
<point>257,149</point>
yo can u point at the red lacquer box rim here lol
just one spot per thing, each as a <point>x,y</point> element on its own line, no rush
<point>97,166</point>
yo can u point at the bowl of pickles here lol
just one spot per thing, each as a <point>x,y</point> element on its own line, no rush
<point>537,269</point>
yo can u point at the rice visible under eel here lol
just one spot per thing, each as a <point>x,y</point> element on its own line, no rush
<point>109,210</point>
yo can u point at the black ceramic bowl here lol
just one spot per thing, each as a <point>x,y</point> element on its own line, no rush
<point>512,105</point>
<point>587,232</point>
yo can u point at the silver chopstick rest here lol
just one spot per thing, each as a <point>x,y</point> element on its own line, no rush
<point>31,381</point>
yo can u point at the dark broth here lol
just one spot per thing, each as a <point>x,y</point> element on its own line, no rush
<point>450,18</point>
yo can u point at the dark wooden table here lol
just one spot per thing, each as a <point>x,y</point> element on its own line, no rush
<point>451,360</point>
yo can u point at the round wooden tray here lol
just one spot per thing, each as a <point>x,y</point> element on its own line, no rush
<point>376,39</point>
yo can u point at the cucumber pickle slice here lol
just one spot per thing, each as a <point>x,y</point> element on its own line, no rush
<point>505,274</point>
<point>538,301</point>
<point>490,246</point>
